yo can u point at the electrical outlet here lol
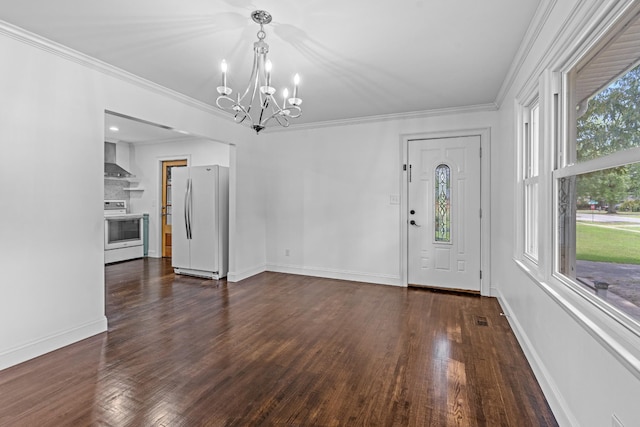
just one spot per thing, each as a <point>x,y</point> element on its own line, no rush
<point>286,252</point>
<point>615,422</point>
<point>394,199</point>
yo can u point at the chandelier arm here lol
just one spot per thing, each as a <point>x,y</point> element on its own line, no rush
<point>255,77</point>
<point>254,72</point>
<point>294,108</point>
<point>265,104</point>
<point>282,120</point>
<point>263,100</point>
<point>225,97</point>
<point>279,115</point>
<point>275,107</point>
<point>240,109</point>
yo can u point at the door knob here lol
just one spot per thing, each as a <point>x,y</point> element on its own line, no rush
<point>412,222</point>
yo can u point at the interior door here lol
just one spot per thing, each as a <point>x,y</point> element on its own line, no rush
<point>167,181</point>
<point>444,213</point>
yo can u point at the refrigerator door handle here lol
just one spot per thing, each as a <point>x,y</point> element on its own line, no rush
<point>190,208</point>
<point>186,208</point>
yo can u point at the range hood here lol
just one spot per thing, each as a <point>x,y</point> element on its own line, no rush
<point>111,168</point>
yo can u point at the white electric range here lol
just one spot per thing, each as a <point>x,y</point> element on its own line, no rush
<point>123,232</point>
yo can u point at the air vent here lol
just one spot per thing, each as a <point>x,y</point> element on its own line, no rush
<point>481,321</point>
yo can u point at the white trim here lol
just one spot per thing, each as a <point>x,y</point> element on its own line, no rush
<point>613,160</point>
<point>72,55</point>
<point>485,200</point>
<point>558,404</point>
<point>236,276</point>
<point>587,23</point>
<point>387,117</point>
<point>583,29</point>
<point>530,37</point>
<point>621,318</point>
<point>332,273</point>
<point>578,30</point>
<point>51,342</point>
<point>585,319</point>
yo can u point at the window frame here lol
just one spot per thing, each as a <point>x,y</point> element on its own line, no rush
<point>617,325</point>
<point>531,180</point>
<point>529,166</point>
<point>615,331</point>
<point>569,168</point>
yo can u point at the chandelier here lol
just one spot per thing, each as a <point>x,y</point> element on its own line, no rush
<point>258,103</point>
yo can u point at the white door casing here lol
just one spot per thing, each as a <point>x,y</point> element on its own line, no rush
<point>456,262</point>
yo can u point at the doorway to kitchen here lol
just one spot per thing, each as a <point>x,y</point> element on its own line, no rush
<point>167,167</point>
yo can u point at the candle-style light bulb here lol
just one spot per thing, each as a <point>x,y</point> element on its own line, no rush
<point>267,67</point>
<point>224,73</point>
<point>296,82</point>
<point>285,95</point>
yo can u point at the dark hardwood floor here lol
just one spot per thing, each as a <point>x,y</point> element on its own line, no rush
<point>279,350</point>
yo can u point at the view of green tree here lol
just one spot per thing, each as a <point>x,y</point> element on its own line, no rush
<point>607,187</point>
<point>611,123</point>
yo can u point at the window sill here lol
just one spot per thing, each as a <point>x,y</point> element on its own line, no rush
<point>619,335</point>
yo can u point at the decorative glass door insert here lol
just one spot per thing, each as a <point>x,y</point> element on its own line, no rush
<point>443,204</point>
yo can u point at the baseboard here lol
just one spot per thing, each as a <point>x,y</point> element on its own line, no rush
<point>236,276</point>
<point>558,405</point>
<point>354,276</point>
<point>42,346</point>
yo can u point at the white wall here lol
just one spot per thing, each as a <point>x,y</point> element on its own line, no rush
<point>145,164</point>
<point>51,222</point>
<point>329,196</point>
<point>248,223</point>
<point>584,380</point>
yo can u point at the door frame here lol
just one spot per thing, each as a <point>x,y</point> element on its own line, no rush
<point>158,199</point>
<point>164,196</point>
<point>485,200</point>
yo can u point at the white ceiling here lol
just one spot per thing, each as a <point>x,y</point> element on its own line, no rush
<point>356,58</point>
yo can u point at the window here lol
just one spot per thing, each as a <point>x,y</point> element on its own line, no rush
<point>443,204</point>
<point>597,181</point>
<point>530,180</point>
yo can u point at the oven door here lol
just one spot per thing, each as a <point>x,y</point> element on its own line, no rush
<point>122,232</point>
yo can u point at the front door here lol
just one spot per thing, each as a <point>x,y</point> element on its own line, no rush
<point>444,213</point>
<point>166,203</point>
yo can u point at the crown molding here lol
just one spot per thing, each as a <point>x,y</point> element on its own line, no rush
<point>533,32</point>
<point>583,26</point>
<point>62,51</point>
<point>37,41</point>
<point>388,117</point>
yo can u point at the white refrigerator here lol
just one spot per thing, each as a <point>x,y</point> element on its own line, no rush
<point>200,221</point>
